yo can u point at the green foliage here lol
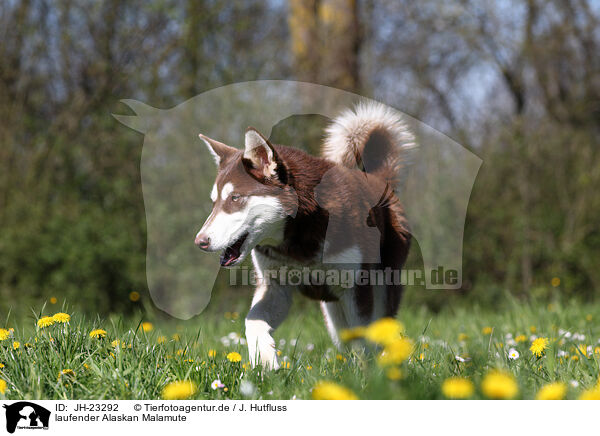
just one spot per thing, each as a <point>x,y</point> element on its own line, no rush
<point>531,212</point>
<point>148,357</point>
<point>519,89</point>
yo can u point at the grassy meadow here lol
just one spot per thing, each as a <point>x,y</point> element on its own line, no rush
<point>141,359</point>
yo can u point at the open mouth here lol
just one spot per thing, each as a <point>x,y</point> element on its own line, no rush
<point>233,252</point>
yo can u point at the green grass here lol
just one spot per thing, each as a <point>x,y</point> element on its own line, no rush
<point>145,366</point>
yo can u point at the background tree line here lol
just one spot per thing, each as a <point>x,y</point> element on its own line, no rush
<point>517,82</point>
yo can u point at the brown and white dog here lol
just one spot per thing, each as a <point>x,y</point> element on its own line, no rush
<point>289,209</point>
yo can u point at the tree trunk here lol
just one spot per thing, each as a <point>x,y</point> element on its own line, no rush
<point>326,41</point>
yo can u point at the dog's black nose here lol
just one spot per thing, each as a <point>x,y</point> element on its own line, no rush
<point>202,241</point>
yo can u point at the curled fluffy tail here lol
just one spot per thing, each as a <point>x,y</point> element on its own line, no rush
<point>372,137</point>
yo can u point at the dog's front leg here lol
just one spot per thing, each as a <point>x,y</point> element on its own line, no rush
<point>269,308</point>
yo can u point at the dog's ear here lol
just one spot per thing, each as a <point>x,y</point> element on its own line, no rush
<point>260,152</point>
<point>219,151</point>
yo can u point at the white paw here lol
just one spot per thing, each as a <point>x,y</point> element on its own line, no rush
<point>261,345</point>
<point>264,356</point>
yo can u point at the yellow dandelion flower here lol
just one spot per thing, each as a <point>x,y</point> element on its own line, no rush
<point>499,385</point>
<point>2,386</point>
<point>134,296</point>
<point>161,339</point>
<point>176,337</point>
<point>457,388</point>
<point>234,357</point>
<point>53,300</point>
<point>539,346</point>
<point>533,329</point>
<point>286,365</point>
<point>340,357</point>
<point>462,337</point>
<point>384,331</point>
<point>396,352</point>
<point>555,282</point>
<point>67,373</point>
<point>4,334</point>
<point>16,345</point>
<point>487,330</point>
<point>181,352</point>
<point>115,343</point>
<point>179,390</point>
<point>591,394</point>
<point>1,365</point>
<point>393,373</point>
<point>552,391</point>
<point>520,338</point>
<point>588,317</point>
<point>325,390</point>
<point>278,352</point>
<point>61,317</point>
<point>147,326</point>
<point>45,321</point>
<point>98,333</point>
<point>309,368</point>
<point>212,353</point>
<point>352,334</point>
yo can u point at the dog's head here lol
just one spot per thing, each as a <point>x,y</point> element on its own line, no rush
<point>251,197</point>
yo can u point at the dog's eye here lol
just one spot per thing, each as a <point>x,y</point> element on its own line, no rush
<point>235,197</point>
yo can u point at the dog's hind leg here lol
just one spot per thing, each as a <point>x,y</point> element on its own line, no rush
<point>335,320</point>
<point>342,314</point>
<point>270,307</point>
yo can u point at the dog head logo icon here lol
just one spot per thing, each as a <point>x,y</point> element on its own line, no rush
<point>26,415</point>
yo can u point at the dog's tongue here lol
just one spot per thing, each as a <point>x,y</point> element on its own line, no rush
<point>229,255</point>
<point>232,252</point>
